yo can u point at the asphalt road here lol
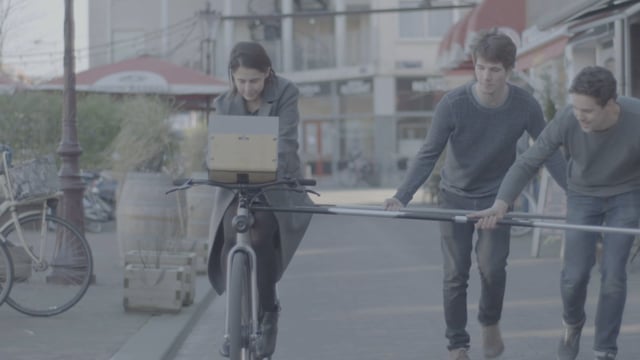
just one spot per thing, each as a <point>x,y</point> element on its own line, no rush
<point>370,288</point>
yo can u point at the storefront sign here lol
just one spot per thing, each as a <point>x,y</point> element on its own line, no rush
<point>353,87</point>
<point>408,64</point>
<point>133,81</point>
<point>429,84</point>
<point>314,89</point>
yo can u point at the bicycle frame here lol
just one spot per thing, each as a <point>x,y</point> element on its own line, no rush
<point>243,222</point>
<point>243,244</point>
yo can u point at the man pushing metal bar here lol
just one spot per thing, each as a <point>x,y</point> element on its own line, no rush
<point>479,124</point>
<point>599,133</point>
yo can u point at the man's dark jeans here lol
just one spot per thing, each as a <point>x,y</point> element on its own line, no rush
<point>580,255</point>
<point>492,250</point>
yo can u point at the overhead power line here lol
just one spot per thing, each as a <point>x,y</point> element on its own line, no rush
<point>320,13</point>
<point>187,25</point>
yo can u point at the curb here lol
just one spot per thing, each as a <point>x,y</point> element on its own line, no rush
<point>163,334</point>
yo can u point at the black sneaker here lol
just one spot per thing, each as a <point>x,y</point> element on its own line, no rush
<point>605,356</point>
<point>224,348</point>
<point>266,341</point>
<point>570,342</point>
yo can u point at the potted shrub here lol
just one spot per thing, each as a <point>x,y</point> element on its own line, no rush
<point>150,222</point>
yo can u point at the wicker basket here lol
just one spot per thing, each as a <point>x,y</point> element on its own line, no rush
<point>34,178</point>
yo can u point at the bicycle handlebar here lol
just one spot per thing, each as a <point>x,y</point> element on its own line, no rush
<point>184,184</point>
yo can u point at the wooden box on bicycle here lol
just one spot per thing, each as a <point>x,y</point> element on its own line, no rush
<point>242,149</point>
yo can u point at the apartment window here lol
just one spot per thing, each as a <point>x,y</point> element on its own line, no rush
<point>422,24</point>
<point>411,24</point>
<point>439,21</point>
<point>313,41</point>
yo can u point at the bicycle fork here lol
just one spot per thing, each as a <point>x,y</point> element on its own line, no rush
<point>242,223</point>
<point>37,259</point>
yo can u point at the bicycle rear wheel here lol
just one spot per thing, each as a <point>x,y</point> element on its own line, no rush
<point>62,274</point>
<point>6,272</point>
<point>240,309</point>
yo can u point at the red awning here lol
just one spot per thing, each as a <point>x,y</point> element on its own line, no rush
<point>452,47</point>
<point>445,45</point>
<point>542,53</point>
<point>143,75</point>
<point>509,16</point>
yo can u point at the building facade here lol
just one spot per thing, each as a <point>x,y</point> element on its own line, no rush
<point>368,76</point>
<point>558,42</point>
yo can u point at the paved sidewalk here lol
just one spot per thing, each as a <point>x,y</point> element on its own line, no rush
<point>98,328</point>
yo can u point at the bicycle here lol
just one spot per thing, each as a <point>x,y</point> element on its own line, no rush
<point>242,307</point>
<point>51,260</point>
<point>357,170</point>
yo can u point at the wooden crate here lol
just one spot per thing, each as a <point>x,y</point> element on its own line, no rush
<point>152,259</point>
<point>153,289</point>
<point>242,148</point>
<point>200,246</point>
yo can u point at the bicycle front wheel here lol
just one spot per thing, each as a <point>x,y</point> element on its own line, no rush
<point>61,273</point>
<point>240,309</point>
<point>6,272</point>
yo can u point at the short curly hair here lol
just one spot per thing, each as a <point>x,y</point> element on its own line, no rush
<point>597,82</point>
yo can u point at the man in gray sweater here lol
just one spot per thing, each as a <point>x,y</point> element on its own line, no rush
<point>479,123</point>
<point>600,133</point>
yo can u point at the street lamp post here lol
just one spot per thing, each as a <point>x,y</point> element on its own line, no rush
<point>69,150</point>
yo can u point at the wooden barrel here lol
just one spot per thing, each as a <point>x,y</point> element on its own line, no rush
<point>147,219</point>
<point>199,208</point>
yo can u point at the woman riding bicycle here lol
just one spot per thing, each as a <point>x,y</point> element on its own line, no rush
<point>257,90</point>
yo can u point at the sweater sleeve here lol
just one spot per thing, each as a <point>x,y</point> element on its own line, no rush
<point>423,163</point>
<point>528,163</point>
<point>556,164</point>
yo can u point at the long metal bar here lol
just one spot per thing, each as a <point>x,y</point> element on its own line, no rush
<point>425,210</point>
<point>461,219</point>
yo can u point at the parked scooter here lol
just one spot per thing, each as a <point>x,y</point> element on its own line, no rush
<point>96,209</point>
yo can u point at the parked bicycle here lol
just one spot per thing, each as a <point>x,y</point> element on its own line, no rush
<point>357,170</point>
<point>50,265</point>
<point>243,313</point>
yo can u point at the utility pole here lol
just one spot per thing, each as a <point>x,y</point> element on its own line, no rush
<point>69,150</point>
<point>210,20</point>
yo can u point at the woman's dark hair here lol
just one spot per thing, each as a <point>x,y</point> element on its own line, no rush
<point>597,82</point>
<point>494,47</point>
<point>250,55</point>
